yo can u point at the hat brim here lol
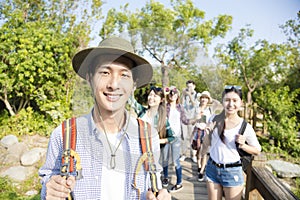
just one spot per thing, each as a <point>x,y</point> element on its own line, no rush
<point>142,71</point>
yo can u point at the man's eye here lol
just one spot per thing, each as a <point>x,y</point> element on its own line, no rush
<point>104,72</point>
<point>126,75</point>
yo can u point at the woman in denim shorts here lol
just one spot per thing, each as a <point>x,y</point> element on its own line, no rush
<point>224,169</point>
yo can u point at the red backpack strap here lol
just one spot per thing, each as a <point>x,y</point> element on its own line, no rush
<point>69,142</point>
<point>147,154</point>
<point>146,144</point>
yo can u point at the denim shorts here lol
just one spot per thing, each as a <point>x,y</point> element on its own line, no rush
<point>227,177</point>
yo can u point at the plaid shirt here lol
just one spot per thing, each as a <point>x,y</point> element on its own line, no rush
<point>91,145</point>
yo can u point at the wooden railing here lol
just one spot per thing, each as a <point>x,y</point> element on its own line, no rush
<point>262,184</point>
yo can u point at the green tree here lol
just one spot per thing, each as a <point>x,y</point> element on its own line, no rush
<point>171,36</point>
<point>292,29</point>
<point>37,43</point>
<point>280,107</point>
<point>252,66</point>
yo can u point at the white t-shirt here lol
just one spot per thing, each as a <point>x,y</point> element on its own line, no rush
<point>113,180</point>
<point>174,120</point>
<point>226,152</point>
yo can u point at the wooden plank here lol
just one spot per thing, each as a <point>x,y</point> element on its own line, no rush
<point>269,186</point>
<point>192,188</point>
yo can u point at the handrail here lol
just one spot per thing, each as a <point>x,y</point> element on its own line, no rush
<point>260,179</point>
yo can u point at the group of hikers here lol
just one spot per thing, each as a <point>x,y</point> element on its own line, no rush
<point>122,149</point>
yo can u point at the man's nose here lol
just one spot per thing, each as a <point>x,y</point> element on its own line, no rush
<point>114,81</point>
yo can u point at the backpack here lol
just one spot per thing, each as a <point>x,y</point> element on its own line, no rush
<point>69,136</point>
<point>246,158</point>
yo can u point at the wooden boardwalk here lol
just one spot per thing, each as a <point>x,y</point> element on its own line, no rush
<point>192,188</point>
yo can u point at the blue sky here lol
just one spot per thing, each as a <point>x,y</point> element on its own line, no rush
<point>264,16</point>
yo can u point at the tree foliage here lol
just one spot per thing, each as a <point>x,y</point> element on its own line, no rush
<point>253,66</point>
<point>171,36</point>
<point>38,40</point>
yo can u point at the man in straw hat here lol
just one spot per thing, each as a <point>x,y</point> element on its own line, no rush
<point>108,142</point>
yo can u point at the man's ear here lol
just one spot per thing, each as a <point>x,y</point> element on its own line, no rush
<point>133,88</point>
<point>90,81</point>
<point>87,77</point>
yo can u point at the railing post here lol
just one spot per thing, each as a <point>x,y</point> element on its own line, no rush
<point>251,193</point>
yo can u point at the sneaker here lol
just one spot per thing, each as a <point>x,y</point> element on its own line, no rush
<point>199,169</point>
<point>200,177</point>
<point>194,159</point>
<point>182,158</point>
<point>176,188</point>
<point>165,182</point>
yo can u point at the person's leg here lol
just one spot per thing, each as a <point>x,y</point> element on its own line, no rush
<point>175,148</point>
<point>233,193</point>
<point>184,142</point>
<point>203,163</point>
<point>165,160</point>
<point>213,184</point>
<point>190,137</point>
<point>232,182</point>
<point>214,191</point>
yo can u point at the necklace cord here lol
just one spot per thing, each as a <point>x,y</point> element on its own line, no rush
<point>113,153</point>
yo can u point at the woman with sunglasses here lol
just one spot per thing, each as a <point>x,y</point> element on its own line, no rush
<point>177,117</point>
<point>224,168</point>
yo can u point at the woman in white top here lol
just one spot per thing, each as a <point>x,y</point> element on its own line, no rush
<point>224,169</point>
<point>204,112</point>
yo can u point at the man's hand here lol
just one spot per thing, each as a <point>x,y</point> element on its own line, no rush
<point>163,194</point>
<point>59,188</point>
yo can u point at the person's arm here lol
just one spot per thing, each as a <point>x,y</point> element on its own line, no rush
<point>136,106</point>
<point>169,134</point>
<point>193,98</point>
<point>53,185</point>
<point>252,146</point>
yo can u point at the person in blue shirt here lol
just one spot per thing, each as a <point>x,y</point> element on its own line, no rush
<point>108,141</point>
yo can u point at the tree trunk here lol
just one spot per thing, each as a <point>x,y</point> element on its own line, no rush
<point>9,108</point>
<point>165,76</point>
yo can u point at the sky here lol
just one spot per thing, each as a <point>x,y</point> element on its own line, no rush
<point>264,16</point>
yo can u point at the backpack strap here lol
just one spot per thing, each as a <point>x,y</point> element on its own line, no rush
<point>243,127</point>
<point>147,157</point>
<point>241,132</point>
<point>69,156</point>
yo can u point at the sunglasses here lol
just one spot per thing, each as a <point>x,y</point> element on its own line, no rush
<point>231,87</point>
<point>156,89</point>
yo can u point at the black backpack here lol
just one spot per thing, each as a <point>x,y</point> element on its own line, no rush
<point>246,158</point>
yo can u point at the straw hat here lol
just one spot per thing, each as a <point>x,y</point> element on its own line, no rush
<point>206,94</point>
<point>142,70</point>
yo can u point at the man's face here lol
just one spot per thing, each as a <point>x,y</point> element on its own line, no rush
<point>112,83</point>
<point>190,87</point>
